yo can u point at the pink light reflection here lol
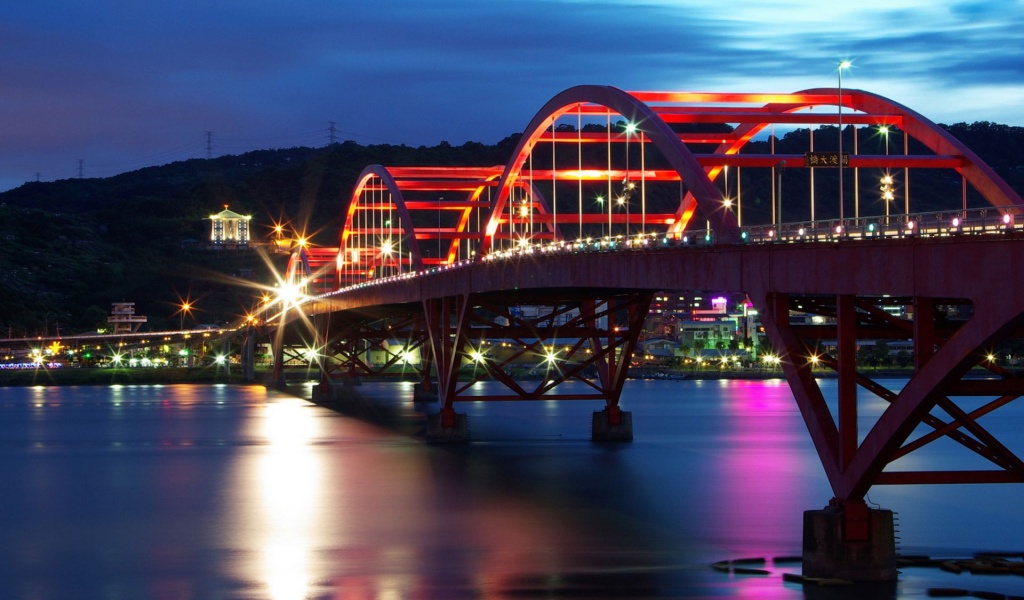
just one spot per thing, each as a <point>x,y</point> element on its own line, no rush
<point>769,473</point>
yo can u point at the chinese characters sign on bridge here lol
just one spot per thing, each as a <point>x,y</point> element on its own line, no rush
<point>825,159</point>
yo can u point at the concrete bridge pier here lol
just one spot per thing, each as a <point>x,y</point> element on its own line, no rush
<point>248,355</point>
<point>425,391</point>
<point>612,425</point>
<point>447,427</point>
<point>849,541</point>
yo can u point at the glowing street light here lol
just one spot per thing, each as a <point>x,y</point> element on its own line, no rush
<point>842,65</point>
<point>289,295</point>
<point>186,306</point>
<point>884,130</point>
<point>887,193</point>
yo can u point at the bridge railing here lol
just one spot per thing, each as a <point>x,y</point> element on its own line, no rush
<point>976,221</point>
<point>983,221</point>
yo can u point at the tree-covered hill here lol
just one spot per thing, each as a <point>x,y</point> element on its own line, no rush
<point>72,247</point>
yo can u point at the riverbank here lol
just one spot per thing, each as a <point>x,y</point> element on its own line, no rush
<point>218,374</point>
<point>124,376</point>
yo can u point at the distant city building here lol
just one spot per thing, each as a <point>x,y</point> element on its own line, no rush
<point>123,318</point>
<point>229,229</point>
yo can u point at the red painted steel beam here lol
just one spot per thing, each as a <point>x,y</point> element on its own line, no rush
<point>846,355</point>
<point>447,234</point>
<point>447,172</point>
<point>441,185</point>
<point>987,387</point>
<point>594,137</point>
<point>619,216</point>
<point>818,118</point>
<point>425,205</point>
<point>675,97</point>
<point>946,477</point>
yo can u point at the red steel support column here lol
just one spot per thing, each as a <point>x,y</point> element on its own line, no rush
<point>846,357</point>
<point>445,323</point>
<point>795,364</point>
<point>588,311</point>
<point>613,424</point>
<point>636,311</point>
<point>924,331</point>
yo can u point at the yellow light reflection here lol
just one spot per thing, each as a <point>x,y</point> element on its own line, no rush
<point>289,480</point>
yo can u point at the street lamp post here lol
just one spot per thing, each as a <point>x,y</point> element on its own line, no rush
<point>886,181</point>
<point>778,212</point>
<point>887,194</point>
<point>627,184</point>
<point>842,65</point>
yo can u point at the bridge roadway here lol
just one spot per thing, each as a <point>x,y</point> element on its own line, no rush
<point>953,266</point>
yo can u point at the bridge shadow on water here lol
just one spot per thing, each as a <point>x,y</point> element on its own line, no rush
<point>606,527</point>
<point>516,469</point>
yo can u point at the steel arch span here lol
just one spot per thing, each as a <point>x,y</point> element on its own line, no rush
<point>602,205</point>
<point>406,219</point>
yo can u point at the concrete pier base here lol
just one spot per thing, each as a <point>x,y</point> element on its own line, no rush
<point>603,431</point>
<point>419,394</point>
<point>438,434</point>
<point>850,542</point>
<point>320,394</point>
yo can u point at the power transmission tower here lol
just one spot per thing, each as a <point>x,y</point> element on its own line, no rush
<point>209,144</point>
<point>332,136</point>
<point>81,168</point>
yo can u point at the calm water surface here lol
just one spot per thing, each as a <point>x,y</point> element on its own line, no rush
<point>191,491</point>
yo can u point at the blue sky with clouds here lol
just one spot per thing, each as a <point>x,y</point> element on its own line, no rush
<point>123,84</point>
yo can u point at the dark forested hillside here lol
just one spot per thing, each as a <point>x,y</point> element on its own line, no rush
<point>72,247</point>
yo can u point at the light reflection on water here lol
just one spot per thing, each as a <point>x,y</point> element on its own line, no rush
<point>289,476</point>
<point>236,492</point>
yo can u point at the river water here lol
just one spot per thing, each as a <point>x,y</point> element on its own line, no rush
<point>214,491</point>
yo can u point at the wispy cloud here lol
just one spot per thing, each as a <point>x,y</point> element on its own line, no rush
<point>120,82</point>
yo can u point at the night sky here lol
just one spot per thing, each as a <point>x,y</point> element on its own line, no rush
<point>123,84</point>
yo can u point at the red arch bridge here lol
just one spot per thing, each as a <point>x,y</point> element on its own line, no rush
<point>611,197</point>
